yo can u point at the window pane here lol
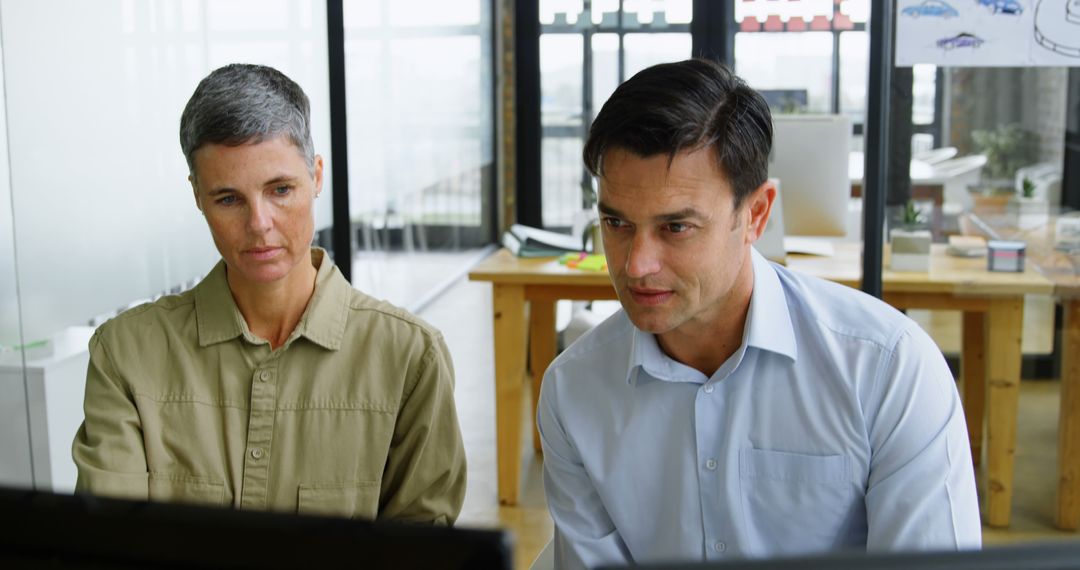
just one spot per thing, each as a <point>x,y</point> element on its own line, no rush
<point>414,13</point>
<point>763,9</point>
<point>857,10</point>
<point>570,11</point>
<point>561,65</point>
<point>561,60</point>
<point>644,50</point>
<point>788,61</point>
<point>605,68</point>
<point>563,172</point>
<point>601,7</point>
<point>655,11</point>
<point>419,120</point>
<point>854,68</point>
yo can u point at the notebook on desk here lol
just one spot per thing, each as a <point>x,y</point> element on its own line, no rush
<point>809,245</point>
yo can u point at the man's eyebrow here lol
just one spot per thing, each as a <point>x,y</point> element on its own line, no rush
<point>605,209</point>
<point>684,214</point>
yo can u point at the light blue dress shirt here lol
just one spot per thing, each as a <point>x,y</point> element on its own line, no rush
<point>835,425</point>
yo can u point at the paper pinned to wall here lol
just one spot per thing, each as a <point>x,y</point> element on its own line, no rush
<point>988,33</point>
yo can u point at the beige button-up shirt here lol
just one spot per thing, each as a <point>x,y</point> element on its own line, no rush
<point>353,416</point>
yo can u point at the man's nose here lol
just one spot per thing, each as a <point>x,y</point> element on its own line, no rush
<point>644,258</point>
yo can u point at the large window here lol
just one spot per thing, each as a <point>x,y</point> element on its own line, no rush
<point>813,57</point>
<point>816,49</point>
<point>420,122</point>
<point>810,56</point>
<point>586,49</point>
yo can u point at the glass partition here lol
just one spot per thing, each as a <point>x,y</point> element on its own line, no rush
<point>586,49</point>
<point>15,463</point>
<point>96,213</point>
<point>420,109</point>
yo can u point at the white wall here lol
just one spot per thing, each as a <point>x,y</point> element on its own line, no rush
<point>104,214</point>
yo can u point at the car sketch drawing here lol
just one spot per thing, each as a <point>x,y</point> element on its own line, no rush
<point>960,40</point>
<point>932,8</point>
<point>1011,7</point>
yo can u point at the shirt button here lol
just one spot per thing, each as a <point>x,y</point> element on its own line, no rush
<point>708,388</point>
<point>720,546</point>
<point>265,375</point>
<point>711,465</point>
<point>257,453</point>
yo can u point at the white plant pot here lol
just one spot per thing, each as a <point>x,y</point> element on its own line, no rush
<point>1029,213</point>
<point>910,250</point>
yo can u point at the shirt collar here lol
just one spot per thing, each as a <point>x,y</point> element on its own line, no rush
<point>646,355</point>
<point>769,321</point>
<point>323,321</point>
<point>768,327</point>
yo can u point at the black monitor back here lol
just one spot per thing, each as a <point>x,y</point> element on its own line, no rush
<point>1045,556</point>
<point>42,530</point>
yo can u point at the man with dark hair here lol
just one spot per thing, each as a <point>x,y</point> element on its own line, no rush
<point>734,408</point>
<point>273,384</point>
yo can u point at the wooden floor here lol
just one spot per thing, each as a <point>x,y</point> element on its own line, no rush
<point>463,313</point>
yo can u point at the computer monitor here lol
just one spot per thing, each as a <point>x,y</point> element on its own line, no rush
<point>810,158</point>
<point>1046,556</point>
<point>64,531</point>
<point>785,100</point>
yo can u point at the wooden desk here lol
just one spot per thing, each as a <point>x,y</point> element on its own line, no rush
<point>1063,270</point>
<point>992,303</point>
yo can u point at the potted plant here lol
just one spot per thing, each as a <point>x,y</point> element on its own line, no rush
<point>1007,148</point>
<point>910,242</point>
<point>1028,210</point>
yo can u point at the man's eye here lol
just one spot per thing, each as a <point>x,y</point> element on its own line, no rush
<point>282,190</point>
<point>678,228</point>
<point>613,223</point>
<point>227,200</point>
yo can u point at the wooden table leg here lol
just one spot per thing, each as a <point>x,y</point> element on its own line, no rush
<point>1068,514</point>
<point>1004,326</point>
<point>541,351</point>
<point>973,379</point>
<point>509,306</point>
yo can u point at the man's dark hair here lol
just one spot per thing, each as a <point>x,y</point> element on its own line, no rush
<point>244,103</point>
<point>686,106</point>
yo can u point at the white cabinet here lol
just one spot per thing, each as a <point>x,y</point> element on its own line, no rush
<point>40,414</point>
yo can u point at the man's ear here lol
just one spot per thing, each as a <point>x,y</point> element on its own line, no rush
<point>759,206</point>
<point>195,191</point>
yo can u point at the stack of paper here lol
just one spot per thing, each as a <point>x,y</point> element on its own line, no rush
<point>525,241</point>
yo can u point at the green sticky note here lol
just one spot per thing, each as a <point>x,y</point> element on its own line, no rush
<point>592,263</point>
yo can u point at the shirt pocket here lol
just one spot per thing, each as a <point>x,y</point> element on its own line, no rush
<point>169,488</point>
<point>356,499</point>
<point>795,503</point>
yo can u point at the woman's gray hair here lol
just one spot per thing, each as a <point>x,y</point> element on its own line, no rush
<point>243,103</point>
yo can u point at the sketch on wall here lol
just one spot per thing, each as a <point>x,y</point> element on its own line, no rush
<point>988,33</point>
